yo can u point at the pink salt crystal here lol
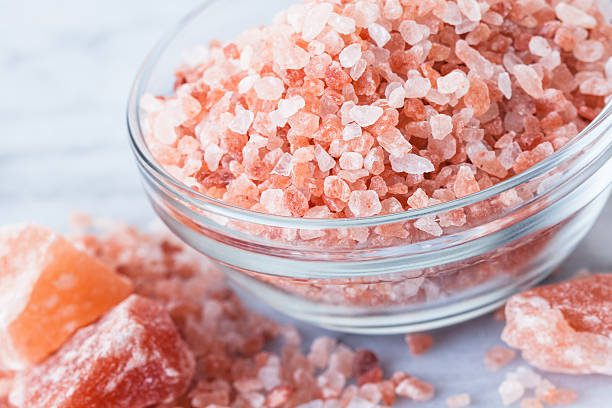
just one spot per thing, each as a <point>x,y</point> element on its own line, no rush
<point>379,34</point>
<point>497,357</point>
<point>413,32</point>
<point>429,225</point>
<point>324,160</point>
<point>574,16</point>
<point>453,82</point>
<point>366,115</point>
<point>269,88</point>
<point>465,183</point>
<point>394,142</point>
<point>320,351</point>
<point>539,46</point>
<point>350,55</point>
<point>596,86</point>
<point>315,20</point>
<point>133,357</point>
<point>351,131</point>
<point>474,60</point>
<point>364,203</point>
<point>284,165</point>
<point>290,106</point>
<point>511,391</point>
<point>335,187</point>
<point>504,84</point>
<point>416,85</point>
<point>351,161</point>
<point>242,121</point>
<point>589,51</point>
<point>564,327</point>
<point>273,202</point>
<point>459,401</point>
<point>441,126</point>
<point>343,25</point>
<point>418,343</point>
<point>470,9</point>
<point>396,95</point>
<point>529,80</point>
<point>415,389</point>
<point>411,164</point>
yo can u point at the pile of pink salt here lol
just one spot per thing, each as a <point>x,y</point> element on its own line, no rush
<point>565,327</point>
<point>366,107</point>
<point>184,339</point>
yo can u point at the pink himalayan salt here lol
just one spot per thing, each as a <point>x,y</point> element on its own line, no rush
<point>411,164</point>
<point>415,389</point>
<point>465,183</point>
<point>460,50</point>
<point>418,343</point>
<point>511,391</point>
<point>459,401</point>
<point>589,51</point>
<point>441,126</point>
<point>564,327</point>
<point>366,115</point>
<point>351,161</point>
<point>364,203</point>
<point>48,286</point>
<point>497,357</point>
<point>133,357</point>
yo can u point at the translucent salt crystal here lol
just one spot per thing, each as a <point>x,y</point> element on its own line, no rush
<point>358,69</point>
<point>351,161</point>
<point>350,55</point>
<point>529,80</point>
<point>246,83</point>
<point>452,82</point>
<point>379,34</point>
<point>417,86</point>
<point>396,94</point>
<point>212,156</point>
<point>364,203</point>
<point>273,202</point>
<point>551,61</point>
<point>394,142</point>
<point>470,9</point>
<point>574,16</point>
<point>419,343</point>
<point>465,183</point>
<point>289,107</point>
<point>413,32</point>
<point>315,20</point>
<point>351,131</point>
<point>366,12</point>
<point>497,357</point>
<point>539,46</point>
<point>458,401</point>
<point>411,164</point>
<point>449,13</point>
<point>324,159</point>
<point>320,351</point>
<point>415,389</point>
<point>441,126</point>
<point>505,84</point>
<point>596,86</point>
<point>511,391</point>
<point>343,25</point>
<point>48,286</point>
<point>335,187</point>
<point>392,9</point>
<point>589,51</point>
<point>304,154</point>
<point>563,327</point>
<point>366,115</point>
<point>284,165</point>
<point>133,357</point>
<point>526,376</point>
<point>269,88</point>
<point>474,60</point>
<point>242,120</point>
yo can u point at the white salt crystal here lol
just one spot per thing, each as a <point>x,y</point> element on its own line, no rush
<point>470,9</point>
<point>450,14</point>
<point>529,80</point>
<point>416,85</point>
<point>242,120</point>
<point>358,69</point>
<point>315,20</point>
<point>269,88</point>
<point>574,16</point>
<point>366,115</point>
<point>273,201</point>
<point>411,164</point>
<point>379,34</point>
<point>441,126</point>
<point>511,391</point>
<point>246,56</point>
<point>397,96</point>
<point>324,159</point>
<point>351,161</point>
<point>289,107</point>
<point>351,131</point>
<point>452,82</point>
<point>504,84</point>
<point>350,55</point>
<point>429,225</point>
<point>392,9</point>
<point>539,46</point>
<point>247,83</point>
<point>412,32</point>
<point>342,25</point>
<point>212,156</point>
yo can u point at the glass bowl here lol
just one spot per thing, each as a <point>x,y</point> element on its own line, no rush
<point>380,274</point>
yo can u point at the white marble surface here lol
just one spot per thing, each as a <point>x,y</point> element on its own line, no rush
<point>65,71</point>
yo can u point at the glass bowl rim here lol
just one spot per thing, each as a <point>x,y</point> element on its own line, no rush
<point>207,203</point>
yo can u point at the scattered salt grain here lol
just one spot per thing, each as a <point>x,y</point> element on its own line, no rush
<point>497,357</point>
<point>459,401</point>
<point>511,391</point>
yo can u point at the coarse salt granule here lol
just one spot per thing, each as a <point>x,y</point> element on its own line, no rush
<point>459,401</point>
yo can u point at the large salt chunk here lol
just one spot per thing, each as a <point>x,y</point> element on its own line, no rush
<point>366,115</point>
<point>134,357</point>
<point>565,327</point>
<point>48,290</point>
<point>528,79</point>
<point>411,164</point>
<point>574,16</point>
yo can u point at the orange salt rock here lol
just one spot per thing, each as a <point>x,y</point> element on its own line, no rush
<point>418,343</point>
<point>134,357</point>
<point>48,290</point>
<point>565,327</point>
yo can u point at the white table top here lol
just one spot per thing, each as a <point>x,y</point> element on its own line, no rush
<point>65,71</point>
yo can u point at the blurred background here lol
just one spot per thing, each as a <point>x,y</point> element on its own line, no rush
<point>66,69</point>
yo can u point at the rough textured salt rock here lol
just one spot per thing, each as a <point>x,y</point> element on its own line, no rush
<point>411,164</point>
<point>134,357</point>
<point>564,327</point>
<point>441,126</point>
<point>413,388</point>
<point>49,289</point>
<point>364,203</point>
